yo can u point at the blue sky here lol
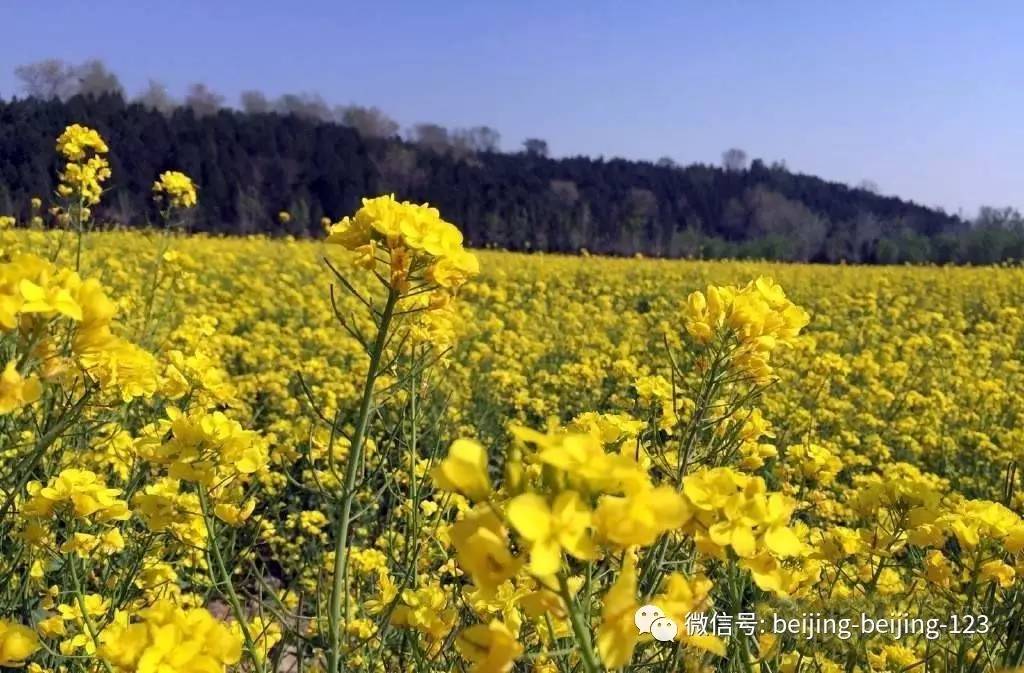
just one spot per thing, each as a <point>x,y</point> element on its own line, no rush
<point>924,98</point>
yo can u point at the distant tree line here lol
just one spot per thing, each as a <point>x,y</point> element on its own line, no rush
<point>296,153</point>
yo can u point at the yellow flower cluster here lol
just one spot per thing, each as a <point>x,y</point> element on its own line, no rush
<point>411,241</point>
<point>34,293</point>
<point>86,170</point>
<point>78,142</point>
<point>177,188</point>
<point>720,509</point>
<point>82,492</point>
<point>203,447</point>
<point>17,391</point>
<point>490,647</point>
<point>167,638</point>
<point>814,463</point>
<point>758,315</point>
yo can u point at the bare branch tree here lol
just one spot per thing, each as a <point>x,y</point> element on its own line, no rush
<point>202,101</point>
<point>50,78</point>
<point>868,185</point>
<point>734,159</point>
<point>155,96</point>
<point>370,122</point>
<point>431,136</point>
<point>306,105</point>
<point>476,139</point>
<point>95,79</point>
<point>254,102</point>
<point>536,147</point>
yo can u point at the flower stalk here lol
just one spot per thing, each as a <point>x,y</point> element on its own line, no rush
<point>355,456</point>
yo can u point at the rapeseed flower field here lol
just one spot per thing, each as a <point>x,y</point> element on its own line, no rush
<point>383,452</point>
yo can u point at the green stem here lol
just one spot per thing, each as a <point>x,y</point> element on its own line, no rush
<point>579,629</point>
<point>165,245</point>
<point>80,599</point>
<point>79,226</point>
<point>229,587</point>
<point>151,293</point>
<point>355,456</point>
<point>414,496</point>
<point>25,470</point>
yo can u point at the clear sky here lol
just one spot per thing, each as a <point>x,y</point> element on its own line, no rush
<point>924,98</point>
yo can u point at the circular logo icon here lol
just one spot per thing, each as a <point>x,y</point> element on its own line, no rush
<point>645,616</point>
<point>664,629</point>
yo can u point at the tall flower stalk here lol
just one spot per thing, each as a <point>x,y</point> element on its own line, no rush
<point>419,262</point>
<point>81,181</point>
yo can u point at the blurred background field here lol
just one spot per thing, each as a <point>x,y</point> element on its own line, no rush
<point>921,365</point>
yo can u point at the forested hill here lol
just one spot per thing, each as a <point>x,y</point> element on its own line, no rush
<point>250,167</point>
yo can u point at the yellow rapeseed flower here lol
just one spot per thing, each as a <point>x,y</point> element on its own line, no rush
<point>464,470</point>
<point>17,391</point>
<point>177,188</point>
<point>17,643</point>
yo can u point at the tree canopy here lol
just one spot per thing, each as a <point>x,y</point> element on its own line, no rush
<point>252,165</point>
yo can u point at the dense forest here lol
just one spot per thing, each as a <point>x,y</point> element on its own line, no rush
<point>252,165</point>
